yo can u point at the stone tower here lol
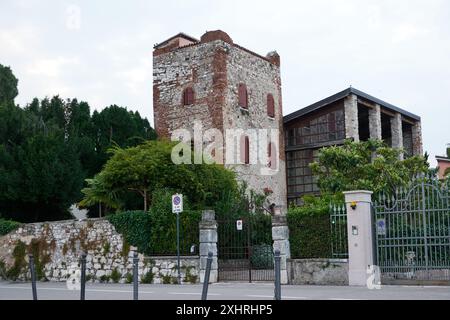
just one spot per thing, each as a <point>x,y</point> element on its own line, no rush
<point>223,86</point>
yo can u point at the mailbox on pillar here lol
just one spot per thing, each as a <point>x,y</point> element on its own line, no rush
<point>359,230</point>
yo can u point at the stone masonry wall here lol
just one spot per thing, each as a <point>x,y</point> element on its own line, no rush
<point>58,245</point>
<point>261,78</point>
<point>318,272</point>
<point>190,66</point>
<point>214,68</point>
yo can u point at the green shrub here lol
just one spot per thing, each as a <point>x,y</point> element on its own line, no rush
<point>3,270</point>
<point>128,278</point>
<point>20,264</point>
<point>6,226</point>
<point>134,226</point>
<point>190,277</point>
<point>166,279</point>
<point>106,248</point>
<point>154,232</point>
<point>116,275</point>
<point>309,229</point>
<point>104,278</point>
<point>147,278</point>
<point>262,257</point>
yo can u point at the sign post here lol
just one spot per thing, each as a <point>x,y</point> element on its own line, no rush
<point>177,207</point>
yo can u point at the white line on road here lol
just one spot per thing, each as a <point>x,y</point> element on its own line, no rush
<point>87,290</point>
<point>193,293</point>
<point>267,296</point>
<point>344,299</point>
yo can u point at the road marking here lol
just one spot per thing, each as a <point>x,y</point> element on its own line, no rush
<point>344,299</point>
<point>87,290</point>
<point>267,296</point>
<point>193,293</point>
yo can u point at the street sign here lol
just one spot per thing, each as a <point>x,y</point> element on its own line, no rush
<point>381,227</point>
<point>177,203</point>
<point>239,225</point>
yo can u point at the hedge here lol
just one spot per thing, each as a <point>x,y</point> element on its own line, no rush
<point>309,232</point>
<point>154,232</point>
<point>6,226</point>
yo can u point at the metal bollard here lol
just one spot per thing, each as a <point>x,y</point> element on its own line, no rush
<point>207,272</point>
<point>33,276</point>
<point>135,275</point>
<point>277,275</point>
<point>83,276</point>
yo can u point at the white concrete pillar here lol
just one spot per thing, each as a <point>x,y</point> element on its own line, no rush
<point>208,242</point>
<point>375,122</point>
<point>280,236</point>
<point>351,117</point>
<point>360,242</point>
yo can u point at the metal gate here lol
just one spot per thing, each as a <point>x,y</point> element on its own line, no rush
<point>245,251</point>
<point>412,232</point>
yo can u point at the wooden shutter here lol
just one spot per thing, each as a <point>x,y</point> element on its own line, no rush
<point>270,106</point>
<point>245,150</point>
<point>272,155</point>
<point>243,98</point>
<point>188,96</point>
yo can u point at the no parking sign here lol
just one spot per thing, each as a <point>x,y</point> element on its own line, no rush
<point>177,203</point>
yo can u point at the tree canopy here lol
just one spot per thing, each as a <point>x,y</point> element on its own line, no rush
<point>147,168</point>
<point>51,146</point>
<point>8,85</point>
<point>369,165</point>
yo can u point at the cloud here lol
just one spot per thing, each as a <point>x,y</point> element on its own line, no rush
<point>73,17</point>
<point>16,40</point>
<point>51,68</point>
<point>407,32</point>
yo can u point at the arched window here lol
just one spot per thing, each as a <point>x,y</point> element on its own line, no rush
<point>272,156</point>
<point>188,96</point>
<point>245,150</point>
<point>270,106</point>
<point>243,96</point>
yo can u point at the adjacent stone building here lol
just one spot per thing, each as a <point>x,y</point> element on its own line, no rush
<point>220,85</point>
<point>223,86</point>
<point>350,114</point>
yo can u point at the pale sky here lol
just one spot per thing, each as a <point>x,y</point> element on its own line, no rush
<point>101,51</point>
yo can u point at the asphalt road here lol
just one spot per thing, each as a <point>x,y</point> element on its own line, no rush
<point>220,291</point>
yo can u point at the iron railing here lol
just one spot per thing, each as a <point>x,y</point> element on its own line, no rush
<point>412,230</point>
<point>338,223</point>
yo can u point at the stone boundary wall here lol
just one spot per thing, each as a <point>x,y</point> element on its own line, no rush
<point>57,246</point>
<point>333,272</point>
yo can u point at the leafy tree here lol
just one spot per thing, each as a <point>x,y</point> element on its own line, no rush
<point>8,85</point>
<point>369,165</point>
<point>149,167</point>
<point>50,147</point>
<point>116,126</point>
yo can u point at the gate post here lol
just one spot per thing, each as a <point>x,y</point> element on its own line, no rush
<point>208,243</point>
<point>280,237</point>
<point>360,236</point>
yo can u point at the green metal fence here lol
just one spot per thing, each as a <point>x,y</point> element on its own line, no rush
<point>413,232</point>
<point>338,223</point>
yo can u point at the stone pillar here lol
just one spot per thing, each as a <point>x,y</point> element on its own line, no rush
<point>280,236</point>
<point>208,242</point>
<point>417,139</point>
<point>397,132</point>
<point>351,117</point>
<point>375,122</point>
<point>360,239</point>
